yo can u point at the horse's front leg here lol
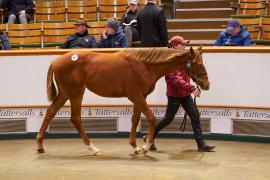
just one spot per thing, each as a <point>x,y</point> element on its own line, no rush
<point>51,111</point>
<point>140,102</point>
<point>152,123</point>
<point>132,136</point>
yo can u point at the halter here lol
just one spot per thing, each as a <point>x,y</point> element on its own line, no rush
<point>195,75</point>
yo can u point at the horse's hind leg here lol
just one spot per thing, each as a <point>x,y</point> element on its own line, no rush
<point>51,111</point>
<point>132,136</point>
<point>77,122</point>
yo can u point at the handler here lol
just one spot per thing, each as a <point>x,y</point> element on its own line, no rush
<point>179,92</point>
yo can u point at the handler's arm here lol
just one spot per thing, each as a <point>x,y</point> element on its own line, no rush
<point>178,80</point>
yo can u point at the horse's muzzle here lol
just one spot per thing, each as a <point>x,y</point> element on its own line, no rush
<point>207,87</point>
<point>204,86</point>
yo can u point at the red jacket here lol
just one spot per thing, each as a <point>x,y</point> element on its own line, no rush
<point>178,84</point>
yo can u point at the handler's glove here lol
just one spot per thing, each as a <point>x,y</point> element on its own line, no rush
<point>197,93</point>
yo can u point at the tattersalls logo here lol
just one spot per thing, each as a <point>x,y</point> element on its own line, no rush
<point>112,112</point>
<point>158,112</point>
<point>256,114</point>
<point>216,112</point>
<point>16,112</point>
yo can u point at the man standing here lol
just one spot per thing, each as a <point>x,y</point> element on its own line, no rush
<point>152,25</point>
<point>81,38</point>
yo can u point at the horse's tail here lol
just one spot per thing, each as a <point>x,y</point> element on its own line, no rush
<point>51,90</point>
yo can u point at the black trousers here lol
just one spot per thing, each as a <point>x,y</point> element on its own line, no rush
<point>189,106</point>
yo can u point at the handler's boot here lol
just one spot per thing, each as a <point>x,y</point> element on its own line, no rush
<point>153,146</point>
<point>203,147</point>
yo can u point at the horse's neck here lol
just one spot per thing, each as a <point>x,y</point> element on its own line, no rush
<point>164,68</point>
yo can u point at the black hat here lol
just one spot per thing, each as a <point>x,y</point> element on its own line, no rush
<point>112,23</point>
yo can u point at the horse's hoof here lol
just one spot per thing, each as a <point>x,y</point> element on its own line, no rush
<point>138,152</point>
<point>143,151</point>
<point>41,150</point>
<point>98,153</point>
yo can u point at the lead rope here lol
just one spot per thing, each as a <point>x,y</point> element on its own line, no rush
<point>184,122</point>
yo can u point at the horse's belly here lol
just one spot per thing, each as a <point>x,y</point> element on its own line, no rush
<point>106,91</point>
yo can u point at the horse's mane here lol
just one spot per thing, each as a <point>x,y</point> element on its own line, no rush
<point>152,55</point>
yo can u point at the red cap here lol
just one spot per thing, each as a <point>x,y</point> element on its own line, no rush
<point>178,40</point>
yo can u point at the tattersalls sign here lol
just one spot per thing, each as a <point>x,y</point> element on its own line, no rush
<point>255,114</point>
<point>123,112</point>
<point>221,119</point>
<point>127,111</point>
<point>216,113</point>
<point>12,113</point>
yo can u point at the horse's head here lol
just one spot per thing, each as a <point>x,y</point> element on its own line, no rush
<point>196,68</point>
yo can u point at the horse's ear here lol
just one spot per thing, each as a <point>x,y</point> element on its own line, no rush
<point>191,50</point>
<point>200,48</point>
<point>191,53</point>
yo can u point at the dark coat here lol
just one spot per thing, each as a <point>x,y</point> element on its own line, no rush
<point>152,26</point>
<point>80,41</point>
<point>4,43</point>
<point>15,6</point>
<point>116,40</point>
<point>129,16</point>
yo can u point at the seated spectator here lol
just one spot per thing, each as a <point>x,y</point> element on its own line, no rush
<point>234,35</point>
<point>18,10</point>
<point>113,36</point>
<point>81,38</point>
<point>129,22</point>
<point>4,43</point>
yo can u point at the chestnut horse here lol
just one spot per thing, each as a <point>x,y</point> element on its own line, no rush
<point>130,73</point>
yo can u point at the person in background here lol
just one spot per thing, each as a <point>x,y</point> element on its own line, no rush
<point>129,22</point>
<point>81,38</point>
<point>152,25</point>
<point>179,92</point>
<point>113,36</point>
<point>4,43</point>
<point>18,10</point>
<point>235,35</point>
